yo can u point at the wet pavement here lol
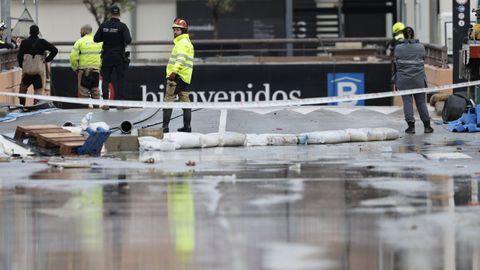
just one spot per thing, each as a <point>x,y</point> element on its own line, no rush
<point>412,203</point>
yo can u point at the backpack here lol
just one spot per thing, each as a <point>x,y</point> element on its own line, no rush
<point>455,106</point>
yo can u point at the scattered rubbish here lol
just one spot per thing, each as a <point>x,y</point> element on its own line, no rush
<point>190,163</point>
<point>86,120</point>
<point>149,160</point>
<point>62,140</point>
<point>4,159</point>
<point>12,149</point>
<point>295,167</point>
<point>50,136</point>
<point>123,187</point>
<point>94,143</point>
<point>370,167</point>
<point>460,166</point>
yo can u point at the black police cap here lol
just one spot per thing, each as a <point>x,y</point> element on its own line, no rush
<point>115,10</point>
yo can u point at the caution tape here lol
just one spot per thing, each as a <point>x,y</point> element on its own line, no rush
<point>242,105</point>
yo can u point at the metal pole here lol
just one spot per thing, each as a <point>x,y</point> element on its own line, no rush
<point>461,23</point>
<point>6,18</point>
<point>133,27</point>
<point>289,25</point>
<point>36,11</point>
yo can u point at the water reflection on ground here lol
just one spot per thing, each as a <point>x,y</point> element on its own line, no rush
<point>367,206</point>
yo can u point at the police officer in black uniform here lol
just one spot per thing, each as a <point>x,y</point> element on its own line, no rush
<point>115,36</point>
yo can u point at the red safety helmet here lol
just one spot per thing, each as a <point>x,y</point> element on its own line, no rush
<point>180,23</point>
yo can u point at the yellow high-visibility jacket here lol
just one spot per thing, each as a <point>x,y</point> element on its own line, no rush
<point>86,54</point>
<point>181,59</point>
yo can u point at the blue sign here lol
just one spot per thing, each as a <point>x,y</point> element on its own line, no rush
<point>346,84</point>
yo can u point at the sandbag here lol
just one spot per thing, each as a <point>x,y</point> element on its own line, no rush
<point>256,140</point>
<point>184,139</point>
<point>210,140</point>
<point>391,134</point>
<point>149,143</point>
<point>282,139</point>
<point>358,134</point>
<point>330,136</point>
<point>376,134</point>
<point>232,139</point>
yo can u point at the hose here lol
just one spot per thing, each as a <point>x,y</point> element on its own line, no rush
<point>117,128</point>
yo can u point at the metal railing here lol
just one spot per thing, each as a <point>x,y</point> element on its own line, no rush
<point>259,47</point>
<point>8,59</point>
<point>330,49</point>
<point>436,55</point>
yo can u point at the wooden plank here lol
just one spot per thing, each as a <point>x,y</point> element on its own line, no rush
<point>65,140</point>
<point>22,134</point>
<point>72,144</point>
<point>67,148</point>
<point>32,127</point>
<point>59,135</point>
<point>48,130</point>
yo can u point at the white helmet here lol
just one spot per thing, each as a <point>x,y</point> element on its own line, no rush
<point>3,26</point>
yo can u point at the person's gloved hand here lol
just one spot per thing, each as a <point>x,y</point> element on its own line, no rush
<point>172,76</point>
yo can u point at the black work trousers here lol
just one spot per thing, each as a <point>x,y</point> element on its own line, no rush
<point>107,72</point>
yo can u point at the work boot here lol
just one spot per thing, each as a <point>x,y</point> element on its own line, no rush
<point>185,129</point>
<point>428,128</point>
<point>411,128</point>
<point>187,117</point>
<point>167,114</point>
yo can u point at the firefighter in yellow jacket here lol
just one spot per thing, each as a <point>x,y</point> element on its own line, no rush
<point>85,59</point>
<point>179,74</point>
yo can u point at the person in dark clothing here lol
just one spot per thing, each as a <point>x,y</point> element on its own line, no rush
<point>31,48</point>
<point>3,44</point>
<point>410,74</point>
<point>115,36</point>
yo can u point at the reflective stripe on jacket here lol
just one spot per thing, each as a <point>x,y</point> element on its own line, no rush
<point>86,54</point>
<point>181,59</point>
<point>409,63</point>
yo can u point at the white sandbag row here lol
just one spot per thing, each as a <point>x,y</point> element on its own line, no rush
<point>351,135</point>
<point>181,140</point>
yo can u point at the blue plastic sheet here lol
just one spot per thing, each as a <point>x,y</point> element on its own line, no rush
<point>14,115</point>
<point>468,122</point>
